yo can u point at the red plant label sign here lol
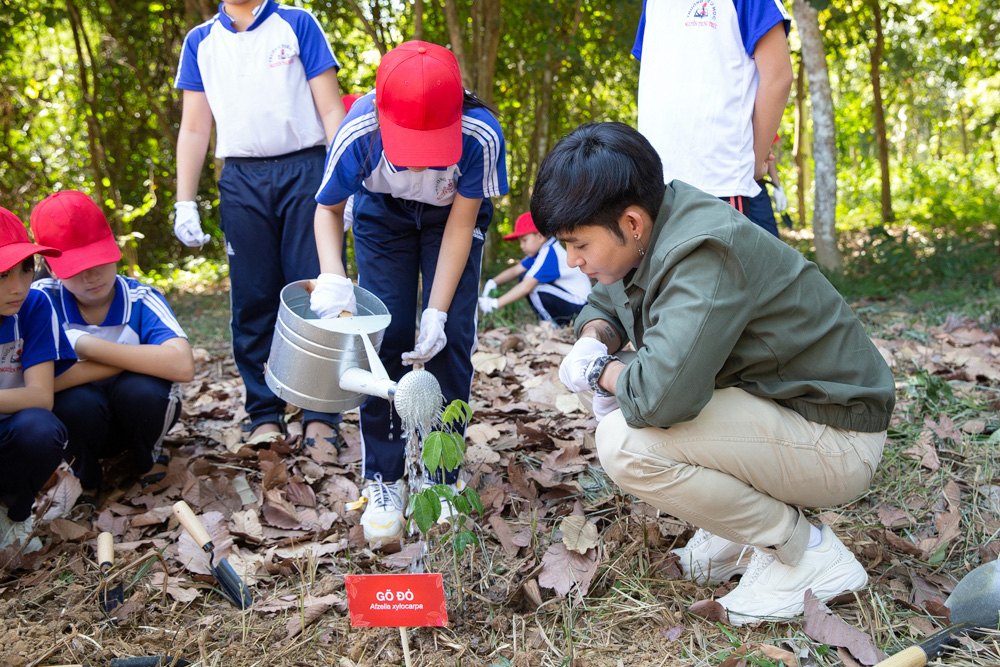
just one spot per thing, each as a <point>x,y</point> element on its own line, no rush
<point>396,600</point>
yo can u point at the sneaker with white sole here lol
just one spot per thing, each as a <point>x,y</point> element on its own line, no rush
<point>771,590</point>
<point>383,518</point>
<point>18,531</point>
<point>710,559</point>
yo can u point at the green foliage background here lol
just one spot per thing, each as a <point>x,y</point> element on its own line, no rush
<point>87,103</point>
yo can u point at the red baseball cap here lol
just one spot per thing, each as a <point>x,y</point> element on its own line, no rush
<point>73,223</point>
<point>418,94</point>
<point>524,225</point>
<point>15,246</point>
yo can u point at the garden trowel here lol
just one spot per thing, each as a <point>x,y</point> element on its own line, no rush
<point>111,598</point>
<point>974,605</point>
<point>232,586</point>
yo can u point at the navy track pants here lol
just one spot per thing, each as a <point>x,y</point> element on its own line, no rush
<point>396,245</point>
<point>267,207</point>
<point>129,412</point>
<point>31,448</point>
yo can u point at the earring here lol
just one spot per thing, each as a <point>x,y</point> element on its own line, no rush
<point>642,251</point>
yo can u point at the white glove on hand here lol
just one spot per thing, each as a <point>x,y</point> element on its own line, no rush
<point>573,369</point>
<point>431,339</point>
<point>488,304</point>
<point>74,336</point>
<point>604,406</point>
<point>780,200</point>
<point>489,287</point>
<point>187,225</point>
<point>332,295</point>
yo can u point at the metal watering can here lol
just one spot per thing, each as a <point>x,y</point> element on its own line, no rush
<point>332,365</point>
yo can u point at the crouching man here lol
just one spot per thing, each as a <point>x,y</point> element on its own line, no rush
<point>755,390</point>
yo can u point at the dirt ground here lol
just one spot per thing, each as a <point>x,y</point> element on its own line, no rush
<point>279,513</point>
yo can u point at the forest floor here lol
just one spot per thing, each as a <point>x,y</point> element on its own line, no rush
<point>523,597</point>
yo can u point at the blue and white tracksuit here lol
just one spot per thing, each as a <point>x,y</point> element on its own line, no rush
<point>31,440</point>
<point>129,412</point>
<point>273,141</point>
<point>399,221</point>
<point>562,290</point>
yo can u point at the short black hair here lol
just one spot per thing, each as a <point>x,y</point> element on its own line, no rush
<point>592,175</point>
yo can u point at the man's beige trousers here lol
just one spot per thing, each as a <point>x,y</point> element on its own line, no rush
<point>742,469</point>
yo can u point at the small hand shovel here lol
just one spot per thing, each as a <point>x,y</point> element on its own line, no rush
<point>111,598</point>
<point>974,604</point>
<point>232,586</point>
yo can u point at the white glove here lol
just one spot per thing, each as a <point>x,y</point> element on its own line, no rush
<point>332,295</point>
<point>780,200</point>
<point>488,304</point>
<point>431,339</point>
<point>187,225</point>
<point>489,287</point>
<point>573,369</point>
<point>603,406</point>
<point>74,336</point>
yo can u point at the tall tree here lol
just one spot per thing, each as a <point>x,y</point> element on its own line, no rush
<point>824,133</point>
<point>876,51</point>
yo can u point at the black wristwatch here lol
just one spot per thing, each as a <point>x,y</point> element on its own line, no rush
<point>594,371</point>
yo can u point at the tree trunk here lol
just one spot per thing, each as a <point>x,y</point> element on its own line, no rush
<point>418,20</point>
<point>824,137</point>
<point>798,144</point>
<point>878,106</point>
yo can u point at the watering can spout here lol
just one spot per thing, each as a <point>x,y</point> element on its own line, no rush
<point>359,381</point>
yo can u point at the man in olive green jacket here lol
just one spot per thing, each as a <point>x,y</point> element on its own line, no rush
<point>753,390</point>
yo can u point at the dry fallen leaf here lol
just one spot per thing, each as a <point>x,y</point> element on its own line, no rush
<point>710,610</point>
<point>579,535</point>
<point>825,627</point>
<point>564,570</point>
<point>487,362</point>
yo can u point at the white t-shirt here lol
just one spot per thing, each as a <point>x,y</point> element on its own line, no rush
<point>555,276</point>
<point>257,81</point>
<point>697,85</point>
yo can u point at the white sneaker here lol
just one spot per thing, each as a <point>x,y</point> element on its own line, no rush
<point>771,590</point>
<point>18,531</point>
<point>383,519</point>
<point>710,559</point>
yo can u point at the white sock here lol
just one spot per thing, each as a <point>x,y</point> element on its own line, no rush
<point>815,537</point>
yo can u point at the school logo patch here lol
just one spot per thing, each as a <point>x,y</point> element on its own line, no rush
<point>702,14</point>
<point>444,187</point>
<point>281,56</point>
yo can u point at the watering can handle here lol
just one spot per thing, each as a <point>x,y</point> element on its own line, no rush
<point>378,370</point>
<point>105,550</point>
<point>191,523</point>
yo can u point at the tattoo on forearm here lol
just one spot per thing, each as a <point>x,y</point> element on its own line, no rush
<point>605,333</point>
<point>611,336</point>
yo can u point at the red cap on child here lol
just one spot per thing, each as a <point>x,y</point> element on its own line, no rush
<point>73,223</point>
<point>524,225</point>
<point>15,246</point>
<point>419,93</point>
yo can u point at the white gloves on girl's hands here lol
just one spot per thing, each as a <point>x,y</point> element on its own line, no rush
<point>780,200</point>
<point>431,339</point>
<point>489,287</point>
<point>187,225</point>
<point>573,369</point>
<point>488,304</point>
<point>332,295</point>
<point>604,406</point>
